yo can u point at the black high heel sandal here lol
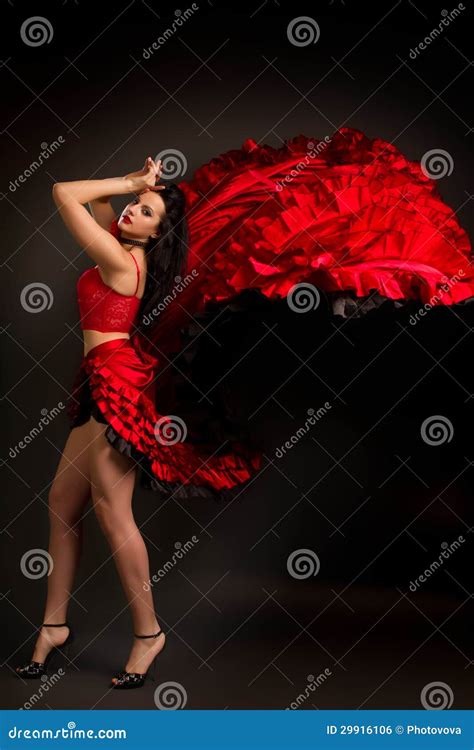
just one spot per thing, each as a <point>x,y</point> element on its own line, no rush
<point>128,680</point>
<point>36,669</point>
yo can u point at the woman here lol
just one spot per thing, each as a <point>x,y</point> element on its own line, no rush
<point>349,222</point>
<point>113,392</point>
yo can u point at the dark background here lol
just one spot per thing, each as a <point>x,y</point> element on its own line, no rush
<point>362,490</point>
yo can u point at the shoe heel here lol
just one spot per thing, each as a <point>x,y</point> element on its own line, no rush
<point>62,650</point>
<point>152,674</point>
<point>65,647</point>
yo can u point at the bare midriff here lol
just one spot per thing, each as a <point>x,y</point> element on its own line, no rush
<point>93,338</point>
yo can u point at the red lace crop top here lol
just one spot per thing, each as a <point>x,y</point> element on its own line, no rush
<point>103,309</point>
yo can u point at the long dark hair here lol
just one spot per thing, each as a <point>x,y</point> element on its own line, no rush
<point>167,258</point>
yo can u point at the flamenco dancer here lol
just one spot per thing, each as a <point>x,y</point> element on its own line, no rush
<point>350,218</point>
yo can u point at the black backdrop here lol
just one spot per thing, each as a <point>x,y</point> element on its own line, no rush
<point>362,491</point>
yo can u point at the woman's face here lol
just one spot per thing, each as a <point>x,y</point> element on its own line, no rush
<point>141,217</point>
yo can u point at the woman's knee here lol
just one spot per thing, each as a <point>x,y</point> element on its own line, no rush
<point>113,523</point>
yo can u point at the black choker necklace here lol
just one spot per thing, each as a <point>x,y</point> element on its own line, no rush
<point>126,241</point>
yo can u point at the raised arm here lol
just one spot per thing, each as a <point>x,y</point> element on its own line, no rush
<point>102,211</point>
<point>94,238</point>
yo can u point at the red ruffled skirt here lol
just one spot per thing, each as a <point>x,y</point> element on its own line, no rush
<point>351,216</point>
<point>115,384</point>
<point>350,223</point>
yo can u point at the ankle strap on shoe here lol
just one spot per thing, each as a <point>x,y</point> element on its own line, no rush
<point>54,625</point>
<point>155,635</point>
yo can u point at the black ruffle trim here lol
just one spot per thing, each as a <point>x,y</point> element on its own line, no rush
<point>149,481</point>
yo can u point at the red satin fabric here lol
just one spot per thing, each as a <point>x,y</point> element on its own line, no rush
<point>358,215</point>
<point>120,380</point>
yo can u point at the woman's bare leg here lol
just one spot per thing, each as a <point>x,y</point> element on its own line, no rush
<point>112,484</point>
<point>68,497</point>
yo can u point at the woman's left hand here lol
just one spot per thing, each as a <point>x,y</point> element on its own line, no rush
<point>144,179</point>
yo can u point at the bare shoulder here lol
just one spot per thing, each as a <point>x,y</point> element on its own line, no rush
<point>124,281</point>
